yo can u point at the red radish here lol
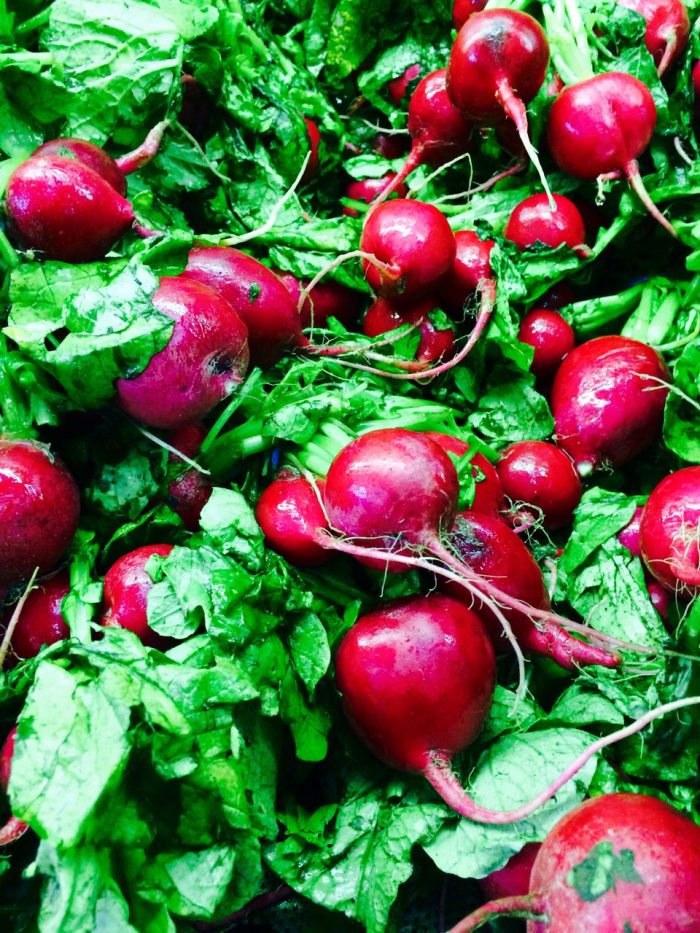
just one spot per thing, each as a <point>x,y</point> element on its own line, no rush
<point>127,584</point>
<point>203,362</point>
<point>326,299</point>
<point>463,9</point>
<point>600,126</point>
<point>14,828</point>
<point>608,401</point>
<point>629,536</point>
<point>392,146</point>
<point>435,345</point>
<point>660,598</point>
<point>189,492</point>
<point>695,80</point>
<point>39,509</point>
<point>472,266</point>
<point>668,28</point>
<point>540,474</point>
<point>41,621</point>
<point>195,109</point>
<point>290,514</point>
<point>414,242</point>
<point>417,679</point>
<point>668,532</point>
<point>314,142</point>
<point>398,87</point>
<point>367,189</point>
<point>488,497</point>
<point>89,154</point>
<point>514,877</point>
<point>497,65</point>
<point>558,296</point>
<point>535,221</point>
<point>552,339</point>
<point>618,862</point>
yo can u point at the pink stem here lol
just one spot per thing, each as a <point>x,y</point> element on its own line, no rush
<point>669,53</point>
<point>635,179</point>
<point>132,161</point>
<point>261,902</point>
<point>525,906</point>
<point>11,831</point>
<point>384,268</point>
<point>515,109</point>
<point>413,160</point>
<point>506,173</point>
<point>144,232</point>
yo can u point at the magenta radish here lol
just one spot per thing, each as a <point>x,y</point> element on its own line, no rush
<point>668,28</point>
<point>435,344</point>
<point>668,532</point>
<point>314,135</point>
<point>600,126</point>
<point>392,146</point>
<point>367,189</point>
<point>205,359</point>
<point>14,828</point>
<point>488,497</point>
<point>629,537</point>
<point>695,82</point>
<point>290,514</point>
<point>618,862</point>
<point>190,491</point>
<point>514,878</point>
<point>551,337</point>
<point>534,473</point>
<point>463,9</point>
<point>127,584</point>
<point>535,221</point>
<point>497,65</point>
<point>41,621</point>
<point>39,509</point>
<point>326,299</point>
<point>398,87</point>
<point>89,154</point>
<point>471,267</point>
<point>608,401</point>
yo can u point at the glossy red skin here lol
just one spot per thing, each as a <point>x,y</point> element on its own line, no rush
<point>667,22</point>
<point>437,128</point>
<point>514,877</point>
<point>415,240</point>
<point>255,293</point>
<point>314,142</point>
<point>8,750</point>
<point>39,510</point>
<point>41,621</point>
<point>188,440</point>
<point>463,9</point>
<point>668,532</point>
<point>493,46</point>
<point>472,265</point>
<point>629,536</point>
<point>695,79</point>
<point>552,339</point>
<point>603,410</point>
<point>64,210</point>
<point>291,517</point>
<point>392,147</point>
<point>600,125</point>
<point>189,492</point>
<point>397,87</point>
<point>416,676</point>
<point>88,154</point>
<point>558,296</point>
<point>540,474</point>
<point>127,584</point>
<point>330,299</point>
<point>435,345</point>
<point>533,221</point>
<point>367,189</point>
<point>665,854</point>
<point>660,598</point>
<point>202,363</point>
<point>488,497</point>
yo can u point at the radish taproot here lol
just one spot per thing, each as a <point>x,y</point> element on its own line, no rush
<point>41,621</point>
<point>535,221</point>
<point>608,401</point>
<point>13,828</point>
<point>127,584</point>
<point>668,532</point>
<point>191,489</point>
<point>290,515</point>
<point>551,337</point>
<point>535,473</point>
<point>667,29</point>
<point>471,268</point>
<point>488,496</point>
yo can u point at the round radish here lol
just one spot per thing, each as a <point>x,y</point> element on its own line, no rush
<point>39,509</point>
<point>202,363</point>
<point>558,296</point>
<point>14,828</point>
<point>127,584</point>
<point>89,154</point>
<point>488,497</point>
<point>41,621</point>
<point>326,299</point>
<point>463,9</point>
<point>551,337</point>
<point>367,189</point>
<point>608,401</point>
<point>290,515</point>
<point>514,877</point>
<point>535,221</point>
<point>472,266</point>
<point>435,344</point>
<point>398,87</point>
<point>314,135</point>
<point>540,474</point>
<point>629,536</point>
<point>668,28</point>
<point>189,492</point>
<point>668,532</point>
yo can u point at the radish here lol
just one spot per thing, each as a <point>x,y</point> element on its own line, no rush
<point>471,266</point>
<point>435,344</point>
<point>393,146</point>
<point>14,828</point>
<point>514,877</point>
<point>314,135</point>
<point>535,221</point>
<point>39,509</point>
<point>326,299</point>
<point>488,497</point>
<point>542,475</point>
<point>290,514</point>
<point>668,532</point>
<point>203,362</point>
<point>668,28</point>
<point>551,337</point>
<point>695,81</point>
<point>463,9</point>
<point>189,492</point>
<point>41,621</point>
<point>600,126</point>
<point>127,584</point>
<point>195,108</point>
<point>497,65</point>
<point>398,87</point>
<point>558,296</point>
<point>608,401</point>
<point>619,862</point>
<point>629,536</point>
<point>367,189</point>
<point>87,153</point>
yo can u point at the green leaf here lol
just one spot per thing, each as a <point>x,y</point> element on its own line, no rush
<point>598,517</point>
<point>580,707</point>
<point>600,871</point>
<point>230,526</point>
<point>681,422</point>
<point>124,489</point>
<point>189,883</point>
<point>311,653</point>
<point>510,409</point>
<point>354,30</point>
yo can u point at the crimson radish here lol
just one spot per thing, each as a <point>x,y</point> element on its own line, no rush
<point>551,337</point>
<point>326,299</point>
<point>514,877</point>
<point>668,532</point>
<point>600,126</point>
<point>668,28</point>
<point>189,492</point>
<point>41,621</point>
<point>314,135</point>
<point>290,514</point>
<point>608,401</point>
<point>398,87</point>
<point>488,497</point>
<point>558,296</point>
<point>89,154</point>
<point>534,221</point>
<point>540,474</point>
<point>629,536</point>
<point>127,584</point>
<point>463,9</point>
<point>435,344</point>
<point>14,828</point>
<point>367,189</point>
<point>196,108</point>
<point>471,267</point>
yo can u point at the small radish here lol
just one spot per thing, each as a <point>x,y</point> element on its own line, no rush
<point>608,401</point>
<point>629,536</point>
<point>616,863</point>
<point>202,363</point>
<point>551,337</point>
<point>660,598</point>
<point>367,189</point>
<point>393,146</point>
<point>488,497</point>
<point>41,621</point>
<point>87,153</point>
<point>558,296</point>
<point>39,509</point>
<point>326,299</point>
<point>535,221</point>
<point>14,828</point>
<point>398,87</point>
<point>314,135</point>
<point>514,877</point>
<point>472,265</point>
<point>695,81</point>
<point>435,344</point>
<point>668,28</point>
<point>542,475</point>
<point>290,514</point>
<point>497,65</point>
<point>463,9</point>
<point>127,584</point>
<point>600,126</point>
<point>668,532</point>
<point>415,244</point>
<point>190,491</point>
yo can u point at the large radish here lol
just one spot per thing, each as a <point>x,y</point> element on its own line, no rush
<point>668,532</point>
